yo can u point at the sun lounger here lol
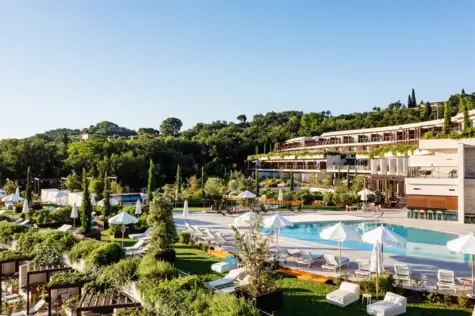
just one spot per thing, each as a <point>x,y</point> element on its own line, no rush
<point>402,273</point>
<point>332,263</point>
<point>446,280</point>
<point>392,305</point>
<point>10,297</point>
<point>18,221</point>
<point>209,236</point>
<point>137,246</point>
<point>25,222</point>
<point>227,265</point>
<point>64,228</point>
<point>34,310</point>
<point>285,254</point>
<point>363,268</point>
<point>345,295</point>
<point>232,288</point>
<point>228,280</point>
<point>308,258</point>
<point>198,232</point>
<point>225,239</point>
<point>141,235</point>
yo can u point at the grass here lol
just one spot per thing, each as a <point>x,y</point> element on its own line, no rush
<point>303,297</point>
<point>127,241</point>
<point>192,209</point>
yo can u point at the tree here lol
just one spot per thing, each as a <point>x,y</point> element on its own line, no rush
<point>96,186</point>
<point>257,181</point>
<point>171,126</point>
<point>107,196</point>
<point>409,101</point>
<point>291,180</point>
<point>10,187</point>
<point>413,97</point>
<point>242,118</point>
<point>28,186</point>
<point>178,180</point>
<point>427,111</point>
<point>202,180</point>
<point>193,185</point>
<point>150,186</point>
<point>447,119</point>
<point>73,182</point>
<point>463,108</point>
<point>160,217</point>
<point>86,206</point>
<point>257,149</point>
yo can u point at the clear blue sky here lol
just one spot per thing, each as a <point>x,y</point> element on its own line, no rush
<point>135,63</point>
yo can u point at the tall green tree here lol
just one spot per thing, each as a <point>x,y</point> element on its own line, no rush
<point>447,119</point>
<point>86,206</point>
<point>463,108</point>
<point>409,101</point>
<point>257,149</point>
<point>427,111</point>
<point>171,126</point>
<point>202,180</point>
<point>28,185</point>
<point>178,180</point>
<point>257,181</point>
<point>150,186</point>
<point>107,196</point>
<point>291,180</point>
<point>161,219</point>
<point>413,97</point>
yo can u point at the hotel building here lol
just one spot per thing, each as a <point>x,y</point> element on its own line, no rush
<point>433,174</point>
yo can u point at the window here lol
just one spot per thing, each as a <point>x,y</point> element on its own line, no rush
<point>417,189</point>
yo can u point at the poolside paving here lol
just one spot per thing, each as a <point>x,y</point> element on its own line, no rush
<point>419,266</point>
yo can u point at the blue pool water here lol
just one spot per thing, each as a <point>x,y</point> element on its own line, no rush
<point>420,243</point>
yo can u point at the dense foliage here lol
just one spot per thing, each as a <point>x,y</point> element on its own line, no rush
<point>164,229</point>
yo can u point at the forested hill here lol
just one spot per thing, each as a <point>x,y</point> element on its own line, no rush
<point>219,146</point>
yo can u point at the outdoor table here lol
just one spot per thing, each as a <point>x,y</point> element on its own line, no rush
<point>367,297</point>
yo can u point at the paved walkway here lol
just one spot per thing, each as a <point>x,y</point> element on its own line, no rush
<point>420,266</point>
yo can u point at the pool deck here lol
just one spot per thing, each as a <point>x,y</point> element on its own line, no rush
<point>419,267</point>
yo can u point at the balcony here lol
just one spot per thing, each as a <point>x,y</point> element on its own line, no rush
<point>434,172</point>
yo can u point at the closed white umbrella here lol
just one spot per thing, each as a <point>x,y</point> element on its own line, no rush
<point>17,191</point>
<point>465,244</point>
<point>277,222</point>
<point>93,199</point>
<point>246,219</point>
<point>25,209</point>
<point>340,233</point>
<point>185,210</point>
<point>384,236</point>
<point>247,195</point>
<point>112,202</point>
<point>376,264</point>
<point>74,214</point>
<point>281,195</point>
<point>123,219</point>
<point>138,208</point>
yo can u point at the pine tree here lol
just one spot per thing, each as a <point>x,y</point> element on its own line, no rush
<point>150,186</point>
<point>178,180</point>
<point>464,109</point>
<point>86,206</point>
<point>427,111</point>
<point>447,119</point>
<point>28,186</point>
<point>291,180</point>
<point>202,180</point>
<point>409,101</point>
<point>413,98</point>
<point>107,196</point>
<point>257,181</point>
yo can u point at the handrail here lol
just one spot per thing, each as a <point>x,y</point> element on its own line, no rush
<point>434,172</point>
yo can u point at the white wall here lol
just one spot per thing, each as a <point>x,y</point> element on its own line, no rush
<point>75,197</point>
<point>431,186</point>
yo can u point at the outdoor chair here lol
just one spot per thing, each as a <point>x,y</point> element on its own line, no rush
<point>141,235</point>
<point>232,289</point>
<point>430,215</point>
<point>347,293</point>
<point>285,254</point>
<point>332,263</point>
<point>64,228</point>
<point>137,246</point>
<point>402,273</point>
<point>363,268</point>
<point>308,258</point>
<point>446,280</point>
<point>225,239</point>
<point>10,297</point>
<point>32,311</point>
<point>25,222</point>
<point>18,221</point>
<point>392,305</point>
<point>228,280</point>
<point>439,215</point>
<point>227,265</point>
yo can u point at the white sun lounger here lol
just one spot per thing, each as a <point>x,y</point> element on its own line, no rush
<point>392,305</point>
<point>137,246</point>
<point>10,297</point>
<point>285,254</point>
<point>64,228</point>
<point>141,235</point>
<point>345,295</point>
<point>18,221</point>
<point>34,310</point>
<point>25,222</point>
<point>308,258</point>
<point>332,263</point>
<point>402,273</point>
<point>225,239</point>
<point>228,280</point>
<point>446,280</point>
<point>363,268</point>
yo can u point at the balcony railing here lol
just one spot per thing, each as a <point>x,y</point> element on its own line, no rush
<point>447,172</point>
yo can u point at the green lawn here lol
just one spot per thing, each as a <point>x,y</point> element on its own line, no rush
<point>192,209</point>
<point>127,241</point>
<point>302,297</point>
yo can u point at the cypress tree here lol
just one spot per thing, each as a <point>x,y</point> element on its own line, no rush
<point>257,181</point>
<point>178,180</point>
<point>86,206</point>
<point>447,120</point>
<point>28,186</point>
<point>291,180</point>
<point>409,101</point>
<point>150,186</point>
<point>202,177</point>
<point>427,111</point>
<point>464,109</point>
<point>107,196</point>
<point>413,97</point>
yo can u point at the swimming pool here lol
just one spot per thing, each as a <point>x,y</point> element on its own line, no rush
<point>420,243</point>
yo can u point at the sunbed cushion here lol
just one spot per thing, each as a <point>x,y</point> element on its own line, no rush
<point>231,260</point>
<point>395,299</point>
<point>383,308</point>
<point>222,267</point>
<point>221,282</point>
<point>350,287</point>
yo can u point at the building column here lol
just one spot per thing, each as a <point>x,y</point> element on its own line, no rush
<point>461,182</point>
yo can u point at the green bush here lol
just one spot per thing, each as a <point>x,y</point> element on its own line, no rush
<point>113,277</point>
<point>463,300</point>
<point>43,217</point>
<point>151,268</point>
<point>68,279</point>
<point>184,238</point>
<point>385,284</point>
<point>228,304</point>
<point>328,198</point>
<point>9,230</point>
<point>106,254</point>
<point>26,241</point>
<point>15,255</point>
<point>82,250</point>
<point>62,214</point>
<point>5,218</point>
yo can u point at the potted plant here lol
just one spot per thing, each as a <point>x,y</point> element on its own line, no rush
<point>254,253</point>
<point>17,207</point>
<point>163,234</point>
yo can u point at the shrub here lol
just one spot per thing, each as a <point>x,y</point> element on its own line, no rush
<point>328,198</point>
<point>82,250</point>
<point>15,255</point>
<point>161,218</point>
<point>184,238</point>
<point>385,284</point>
<point>113,277</point>
<point>48,253</point>
<point>463,300</point>
<point>43,217</point>
<point>5,218</point>
<point>105,254</point>
<point>68,279</point>
<point>62,214</point>
<point>151,268</point>
<point>27,240</point>
<point>228,304</point>
<point>204,247</point>
<point>9,230</point>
